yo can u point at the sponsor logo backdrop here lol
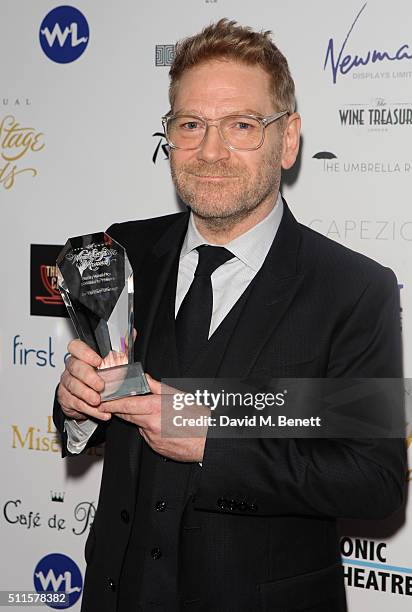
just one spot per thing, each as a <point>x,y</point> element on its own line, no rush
<point>82,91</point>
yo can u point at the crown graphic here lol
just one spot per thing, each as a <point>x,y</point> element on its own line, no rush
<point>57,497</point>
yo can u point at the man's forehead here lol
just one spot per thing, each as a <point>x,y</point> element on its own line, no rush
<point>230,86</point>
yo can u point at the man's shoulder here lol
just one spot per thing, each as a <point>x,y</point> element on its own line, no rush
<point>154,225</point>
<point>339,262</point>
<point>142,233</point>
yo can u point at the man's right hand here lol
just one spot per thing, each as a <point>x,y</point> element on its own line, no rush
<point>80,385</point>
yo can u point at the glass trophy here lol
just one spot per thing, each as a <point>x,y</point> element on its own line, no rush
<point>95,279</point>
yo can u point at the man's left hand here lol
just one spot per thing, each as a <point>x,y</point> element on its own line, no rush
<point>144,411</point>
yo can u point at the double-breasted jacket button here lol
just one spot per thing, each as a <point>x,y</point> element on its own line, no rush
<point>111,584</point>
<point>156,553</point>
<point>125,516</point>
<point>222,503</point>
<point>160,505</point>
<point>232,505</point>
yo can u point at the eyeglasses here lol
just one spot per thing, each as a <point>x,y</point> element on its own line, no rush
<point>238,132</point>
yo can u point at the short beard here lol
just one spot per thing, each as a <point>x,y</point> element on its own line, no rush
<point>247,194</point>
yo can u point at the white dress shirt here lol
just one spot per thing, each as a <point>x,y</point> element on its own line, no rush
<point>229,281</point>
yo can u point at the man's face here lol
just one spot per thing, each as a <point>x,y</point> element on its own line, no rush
<point>215,181</point>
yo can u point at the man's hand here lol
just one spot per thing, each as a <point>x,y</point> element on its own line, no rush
<point>144,411</point>
<point>80,385</point>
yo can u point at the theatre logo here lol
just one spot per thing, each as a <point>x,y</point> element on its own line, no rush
<point>333,163</point>
<point>376,61</point>
<point>18,144</point>
<point>367,566</point>
<point>45,298</point>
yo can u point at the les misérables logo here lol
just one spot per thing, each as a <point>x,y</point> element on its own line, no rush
<point>45,298</point>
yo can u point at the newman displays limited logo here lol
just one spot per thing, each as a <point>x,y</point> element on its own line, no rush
<point>64,34</point>
<point>45,298</point>
<point>342,59</point>
<point>58,574</point>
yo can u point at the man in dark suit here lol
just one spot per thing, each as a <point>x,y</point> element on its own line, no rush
<point>233,288</point>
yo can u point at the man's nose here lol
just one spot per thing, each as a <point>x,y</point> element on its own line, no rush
<point>213,148</point>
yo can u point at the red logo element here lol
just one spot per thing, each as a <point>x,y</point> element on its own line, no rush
<point>48,275</point>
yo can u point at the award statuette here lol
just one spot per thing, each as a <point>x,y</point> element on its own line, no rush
<point>95,280</point>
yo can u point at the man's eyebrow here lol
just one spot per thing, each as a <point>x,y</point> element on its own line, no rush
<point>242,111</point>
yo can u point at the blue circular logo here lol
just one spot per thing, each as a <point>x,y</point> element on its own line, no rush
<point>58,580</point>
<point>64,34</point>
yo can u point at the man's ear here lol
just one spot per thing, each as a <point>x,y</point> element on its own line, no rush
<point>291,141</point>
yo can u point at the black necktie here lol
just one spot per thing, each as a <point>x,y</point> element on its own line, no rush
<point>195,312</point>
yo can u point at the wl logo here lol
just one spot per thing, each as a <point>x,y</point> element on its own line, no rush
<point>64,34</point>
<point>58,573</point>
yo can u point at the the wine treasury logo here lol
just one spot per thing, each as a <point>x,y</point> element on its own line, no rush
<point>92,257</point>
<point>377,115</point>
<point>18,144</point>
<point>342,59</point>
<point>58,574</point>
<point>64,34</point>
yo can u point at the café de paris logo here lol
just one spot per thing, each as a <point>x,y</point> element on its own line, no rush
<point>91,258</point>
<point>343,60</point>
<point>17,142</point>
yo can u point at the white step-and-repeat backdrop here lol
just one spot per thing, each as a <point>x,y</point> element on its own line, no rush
<point>82,90</point>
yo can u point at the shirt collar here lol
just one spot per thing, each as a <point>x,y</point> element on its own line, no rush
<point>251,247</point>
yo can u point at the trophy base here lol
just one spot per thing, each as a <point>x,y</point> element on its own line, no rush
<point>123,381</point>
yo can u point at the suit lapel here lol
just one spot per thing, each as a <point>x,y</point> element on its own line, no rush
<point>274,288</point>
<point>152,280</point>
<point>159,265</point>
